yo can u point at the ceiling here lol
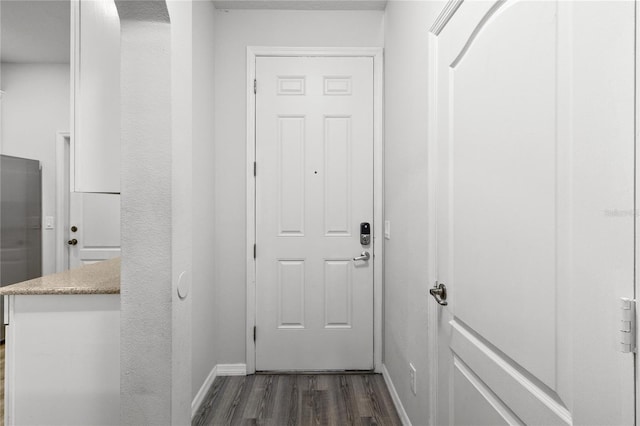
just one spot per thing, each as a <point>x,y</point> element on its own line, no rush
<point>38,31</point>
<point>302,4</point>
<point>35,31</point>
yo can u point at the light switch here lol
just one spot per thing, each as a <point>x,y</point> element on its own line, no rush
<point>387,229</point>
<point>48,222</point>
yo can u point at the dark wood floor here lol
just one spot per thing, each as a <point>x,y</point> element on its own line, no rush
<point>298,399</point>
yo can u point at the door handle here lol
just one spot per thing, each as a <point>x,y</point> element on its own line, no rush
<point>439,292</point>
<point>364,256</point>
<point>72,242</point>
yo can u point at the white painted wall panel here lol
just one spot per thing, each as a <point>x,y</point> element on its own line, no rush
<point>204,261</point>
<point>35,106</point>
<point>146,278</point>
<point>234,31</point>
<point>406,253</point>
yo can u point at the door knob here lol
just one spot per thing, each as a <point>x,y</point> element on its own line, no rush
<point>72,242</point>
<point>439,292</point>
<point>364,256</point>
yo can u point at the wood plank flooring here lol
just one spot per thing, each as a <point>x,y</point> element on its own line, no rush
<point>298,399</point>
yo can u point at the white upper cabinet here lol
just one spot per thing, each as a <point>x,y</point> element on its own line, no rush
<point>96,96</point>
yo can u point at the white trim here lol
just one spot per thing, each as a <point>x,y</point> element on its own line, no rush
<point>253,51</point>
<point>445,15</point>
<point>231,369</point>
<point>202,392</point>
<point>378,169</point>
<point>402,413</point>
<point>250,345</point>
<point>75,84</point>
<point>9,368</point>
<point>636,201</point>
<point>217,371</point>
<point>62,199</point>
<point>432,226</point>
<point>378,204</point>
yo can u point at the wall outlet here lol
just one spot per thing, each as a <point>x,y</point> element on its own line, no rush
<point>387,229</point>
<point>412,378</point>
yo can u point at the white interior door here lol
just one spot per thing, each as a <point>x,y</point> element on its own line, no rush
<point>94,228</point>
<point>314,187</point>
<point>535,237</point>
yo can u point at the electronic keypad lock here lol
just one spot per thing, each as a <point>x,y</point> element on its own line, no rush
<point>365,234</point>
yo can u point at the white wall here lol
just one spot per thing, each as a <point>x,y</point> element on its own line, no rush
<point>406,289</point>
<point>204,262</point>
<point>147,299</point>
<point>34,107</point>
<point>182,205</point>
<point>234,31</point>
<point>157,211</point>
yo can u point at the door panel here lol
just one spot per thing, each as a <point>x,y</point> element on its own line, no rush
<point>482,407</point>
<point>291,135</point>
<point>291,284</point>
<point>337,172</point>
<point>534,144</point>
<point>338,290</point>
<point>495,137</point>
<point>97,219</point>
<point>314,186</point>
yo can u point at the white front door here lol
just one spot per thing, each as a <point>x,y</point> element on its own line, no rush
<point>94,228</point>
<point>314,188</point>
<point>535,212</point>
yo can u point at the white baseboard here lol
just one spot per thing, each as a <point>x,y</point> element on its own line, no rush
<point>395,397</point>
<point>218,370</point>
<point>232,369</point>
<point>197,401</point>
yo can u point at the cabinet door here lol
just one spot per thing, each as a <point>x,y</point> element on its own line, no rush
<point>96,95</point>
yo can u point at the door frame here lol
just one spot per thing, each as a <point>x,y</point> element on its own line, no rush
<point>635,204</point>
<point>64,159</point>
<point>253,52</point>
<point>446,14</point>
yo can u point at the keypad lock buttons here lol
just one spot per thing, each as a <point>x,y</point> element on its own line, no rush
<point>365,233</point>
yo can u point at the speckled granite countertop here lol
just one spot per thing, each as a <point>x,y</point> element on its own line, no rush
<point>98,278</point>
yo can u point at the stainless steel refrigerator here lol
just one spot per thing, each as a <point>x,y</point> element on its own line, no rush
<point>20,222</point>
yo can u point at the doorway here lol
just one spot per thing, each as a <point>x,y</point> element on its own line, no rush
<point>314,141</point>
<point>88,228</point>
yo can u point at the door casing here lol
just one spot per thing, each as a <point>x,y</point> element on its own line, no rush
<point>64,166</point>
<point>635,202</point>
<point>378,168</point>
